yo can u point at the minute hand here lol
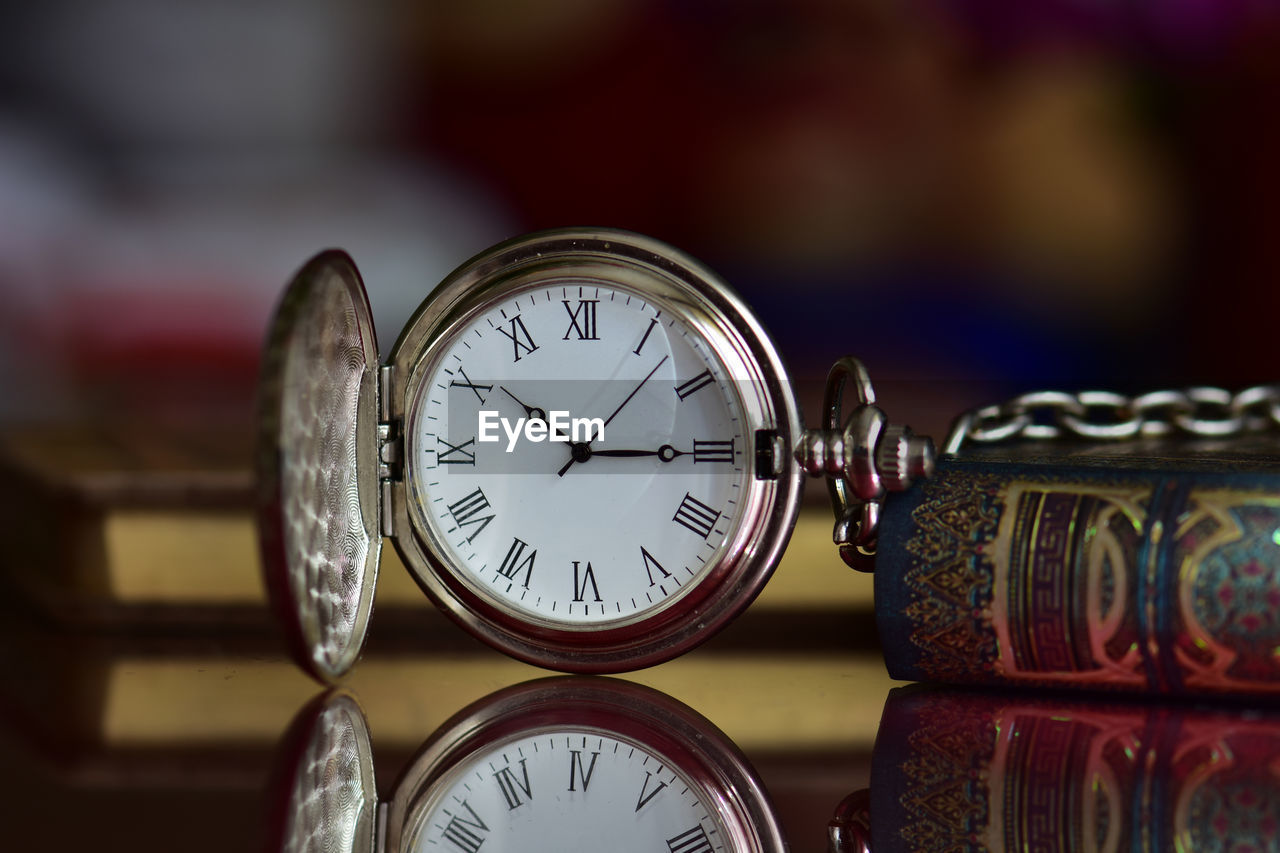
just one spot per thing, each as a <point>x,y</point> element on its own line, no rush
<point>582,452</point>
<point>635,390</point>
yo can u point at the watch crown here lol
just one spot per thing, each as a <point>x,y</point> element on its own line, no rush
<point>903,457</point>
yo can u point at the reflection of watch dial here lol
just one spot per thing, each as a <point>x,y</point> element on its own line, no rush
<point>566,790</point>
<point>586,533</point>
<point>660,501</point>
<point>569,764</point>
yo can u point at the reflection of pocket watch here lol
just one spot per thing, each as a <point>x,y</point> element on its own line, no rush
<point>560,764</point>
<point>637,487</point>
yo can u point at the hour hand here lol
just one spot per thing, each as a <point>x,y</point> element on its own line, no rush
<point>531,412</point>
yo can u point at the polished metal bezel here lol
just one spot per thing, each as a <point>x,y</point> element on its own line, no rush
<point>750,361</point>
<point>653,721</point>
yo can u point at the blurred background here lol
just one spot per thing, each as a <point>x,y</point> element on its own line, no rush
<point>976,197</point>
<point>958,191</point>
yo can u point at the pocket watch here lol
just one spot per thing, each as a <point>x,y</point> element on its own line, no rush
<point>583,445</point>
<point>561,764</point>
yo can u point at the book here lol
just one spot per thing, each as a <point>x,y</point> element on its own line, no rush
<point>1134,568</point>
<point>113,523</point>
<point>962,770</point>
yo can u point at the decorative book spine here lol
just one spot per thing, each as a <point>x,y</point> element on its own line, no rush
<point>957,772</point>
<point>1154,580</point>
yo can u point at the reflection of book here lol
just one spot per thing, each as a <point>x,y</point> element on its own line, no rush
<point>142,710</point>
<point>154,701</point>
<point>960,771</point>
<point>158,524</point>
<point>1130,573</point>
<point>191,728</point>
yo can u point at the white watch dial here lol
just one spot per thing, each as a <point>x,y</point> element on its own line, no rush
<point>563,790</point>
<point>589,533</point>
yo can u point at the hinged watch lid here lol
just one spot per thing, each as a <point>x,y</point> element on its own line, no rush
<point>323,792</point>
<point>317,464</point>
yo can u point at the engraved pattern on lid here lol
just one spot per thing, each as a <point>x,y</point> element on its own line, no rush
<point>333,802</point>
<point>317,465</point>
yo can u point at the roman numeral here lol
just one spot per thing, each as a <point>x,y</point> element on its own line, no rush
<point>650,564</point>
<point>580,588</point>
<point>457,454</point>
<point>467,383</point>
<point>512,787</point>
<point>690,841</point>
<point>696,516</point>
<point>702,380</point>
<point>579,773</point>
<point>647,331</point>
<point>513,565</point>
<point>582,319</point>
<point>645,794</point>
<point>712,451</point>
<point>519,337</point>
<point>465,834</point>
<point>466,513</point>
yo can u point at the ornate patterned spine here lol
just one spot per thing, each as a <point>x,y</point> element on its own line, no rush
<point>1154,580</point>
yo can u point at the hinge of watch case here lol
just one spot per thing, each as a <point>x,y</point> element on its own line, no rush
<point>380,828</point>
<point>390,449</point>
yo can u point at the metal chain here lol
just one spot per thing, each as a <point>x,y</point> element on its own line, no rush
<point>1103,415</point>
